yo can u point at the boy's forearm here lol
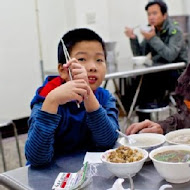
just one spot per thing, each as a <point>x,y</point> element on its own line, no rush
<point>91,104</point>
<point>50,105</point>
<point>103,127</point>
<point>41,135</point>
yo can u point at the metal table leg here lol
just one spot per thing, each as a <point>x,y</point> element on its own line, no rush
<point>133,103</point>
<point>2,152</point>
<point>17,143</point>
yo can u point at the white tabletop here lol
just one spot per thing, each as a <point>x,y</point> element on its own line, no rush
<point>30,178</point>
<point>146,70</point>
<point>134,72</point>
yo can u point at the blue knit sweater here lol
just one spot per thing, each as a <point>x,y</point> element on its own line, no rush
<point>71,129</point>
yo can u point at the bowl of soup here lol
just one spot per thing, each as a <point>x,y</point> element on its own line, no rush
<point>147,141</point>
<point>172,162</point>
<point>124,161</point>
<point>181,136</point>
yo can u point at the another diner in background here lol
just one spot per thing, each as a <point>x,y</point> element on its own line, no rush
<point>57,125</point>
<point>180,120</point>
<point>163,39</point>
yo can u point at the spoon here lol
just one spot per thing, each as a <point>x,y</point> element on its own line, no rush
<point>135,27</point>
<point>129,139</point>
<point>185,158</point>
<point>131,183</point>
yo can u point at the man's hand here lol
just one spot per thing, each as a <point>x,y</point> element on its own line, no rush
<point>129,33</point>
<point>149,35</point>
<point>146,126</point>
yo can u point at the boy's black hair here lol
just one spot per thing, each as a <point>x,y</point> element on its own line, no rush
<point>162,5</point>
<point>74,36</point>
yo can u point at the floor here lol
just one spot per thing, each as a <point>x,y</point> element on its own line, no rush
<point>11,155</point>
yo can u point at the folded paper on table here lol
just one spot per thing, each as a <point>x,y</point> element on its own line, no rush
<point>93,157</point>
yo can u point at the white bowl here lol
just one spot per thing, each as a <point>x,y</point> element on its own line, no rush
<point>146,28</point>
<point>139,60</point>
<point>172,172</point>
<point>181,136</point>
<point>123,170</point>
<point>147,141</point>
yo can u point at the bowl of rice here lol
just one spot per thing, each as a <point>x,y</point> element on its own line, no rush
<point>124,161</point>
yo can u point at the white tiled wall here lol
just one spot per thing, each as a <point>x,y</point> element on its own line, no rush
<point>19,52</point>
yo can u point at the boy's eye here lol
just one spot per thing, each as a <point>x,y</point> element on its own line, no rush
<point>100,60</point>
<point>81,59</point>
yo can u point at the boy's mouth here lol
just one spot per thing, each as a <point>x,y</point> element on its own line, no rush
<point>92,79</point>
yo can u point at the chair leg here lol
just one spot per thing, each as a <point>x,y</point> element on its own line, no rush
<point>17,143</point>
<point>2,153</point>
<point>157,116</point>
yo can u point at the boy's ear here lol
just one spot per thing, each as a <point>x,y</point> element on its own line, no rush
<point>62,71</point>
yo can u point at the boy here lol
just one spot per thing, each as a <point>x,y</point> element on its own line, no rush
<point>57,125</point>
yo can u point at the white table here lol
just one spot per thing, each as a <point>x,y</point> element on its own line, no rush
<point>145,70</point>
<point>134,72</point>
<point>30,178</point>
<point>138,72</point>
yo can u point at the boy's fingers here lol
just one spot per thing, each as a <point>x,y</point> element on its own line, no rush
<point>79,98</point>
<point>70,62</point>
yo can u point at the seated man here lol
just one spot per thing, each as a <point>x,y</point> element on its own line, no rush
<point>166,44</point>
<point>165,39</point>
<point>177,121</point>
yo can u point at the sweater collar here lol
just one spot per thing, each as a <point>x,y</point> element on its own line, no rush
<point>50,85</point>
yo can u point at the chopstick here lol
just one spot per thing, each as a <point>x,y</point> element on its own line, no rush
<point>67,57</point>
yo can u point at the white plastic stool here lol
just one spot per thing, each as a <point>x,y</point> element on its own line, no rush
<point>153,110</point>
<point>3,124</point>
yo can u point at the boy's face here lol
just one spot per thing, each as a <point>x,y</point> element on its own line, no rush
<point>155,16</point>
<point>90,54</point>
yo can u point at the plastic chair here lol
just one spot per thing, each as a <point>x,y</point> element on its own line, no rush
<point>4,124</point>
<point>152,111</point>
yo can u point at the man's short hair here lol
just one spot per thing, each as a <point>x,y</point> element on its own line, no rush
<point>162,5</point>
<point>77,35</point>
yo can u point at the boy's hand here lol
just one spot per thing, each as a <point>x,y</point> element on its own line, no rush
<point>71,90</point>
<point>77,70</point>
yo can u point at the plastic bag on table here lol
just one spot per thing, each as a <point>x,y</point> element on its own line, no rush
<point>74,181</point>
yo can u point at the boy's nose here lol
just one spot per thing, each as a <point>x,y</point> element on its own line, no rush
<point>92,67</point>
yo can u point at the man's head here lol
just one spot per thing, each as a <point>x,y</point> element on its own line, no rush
<point>88,49</point>
<point>157,12</point>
